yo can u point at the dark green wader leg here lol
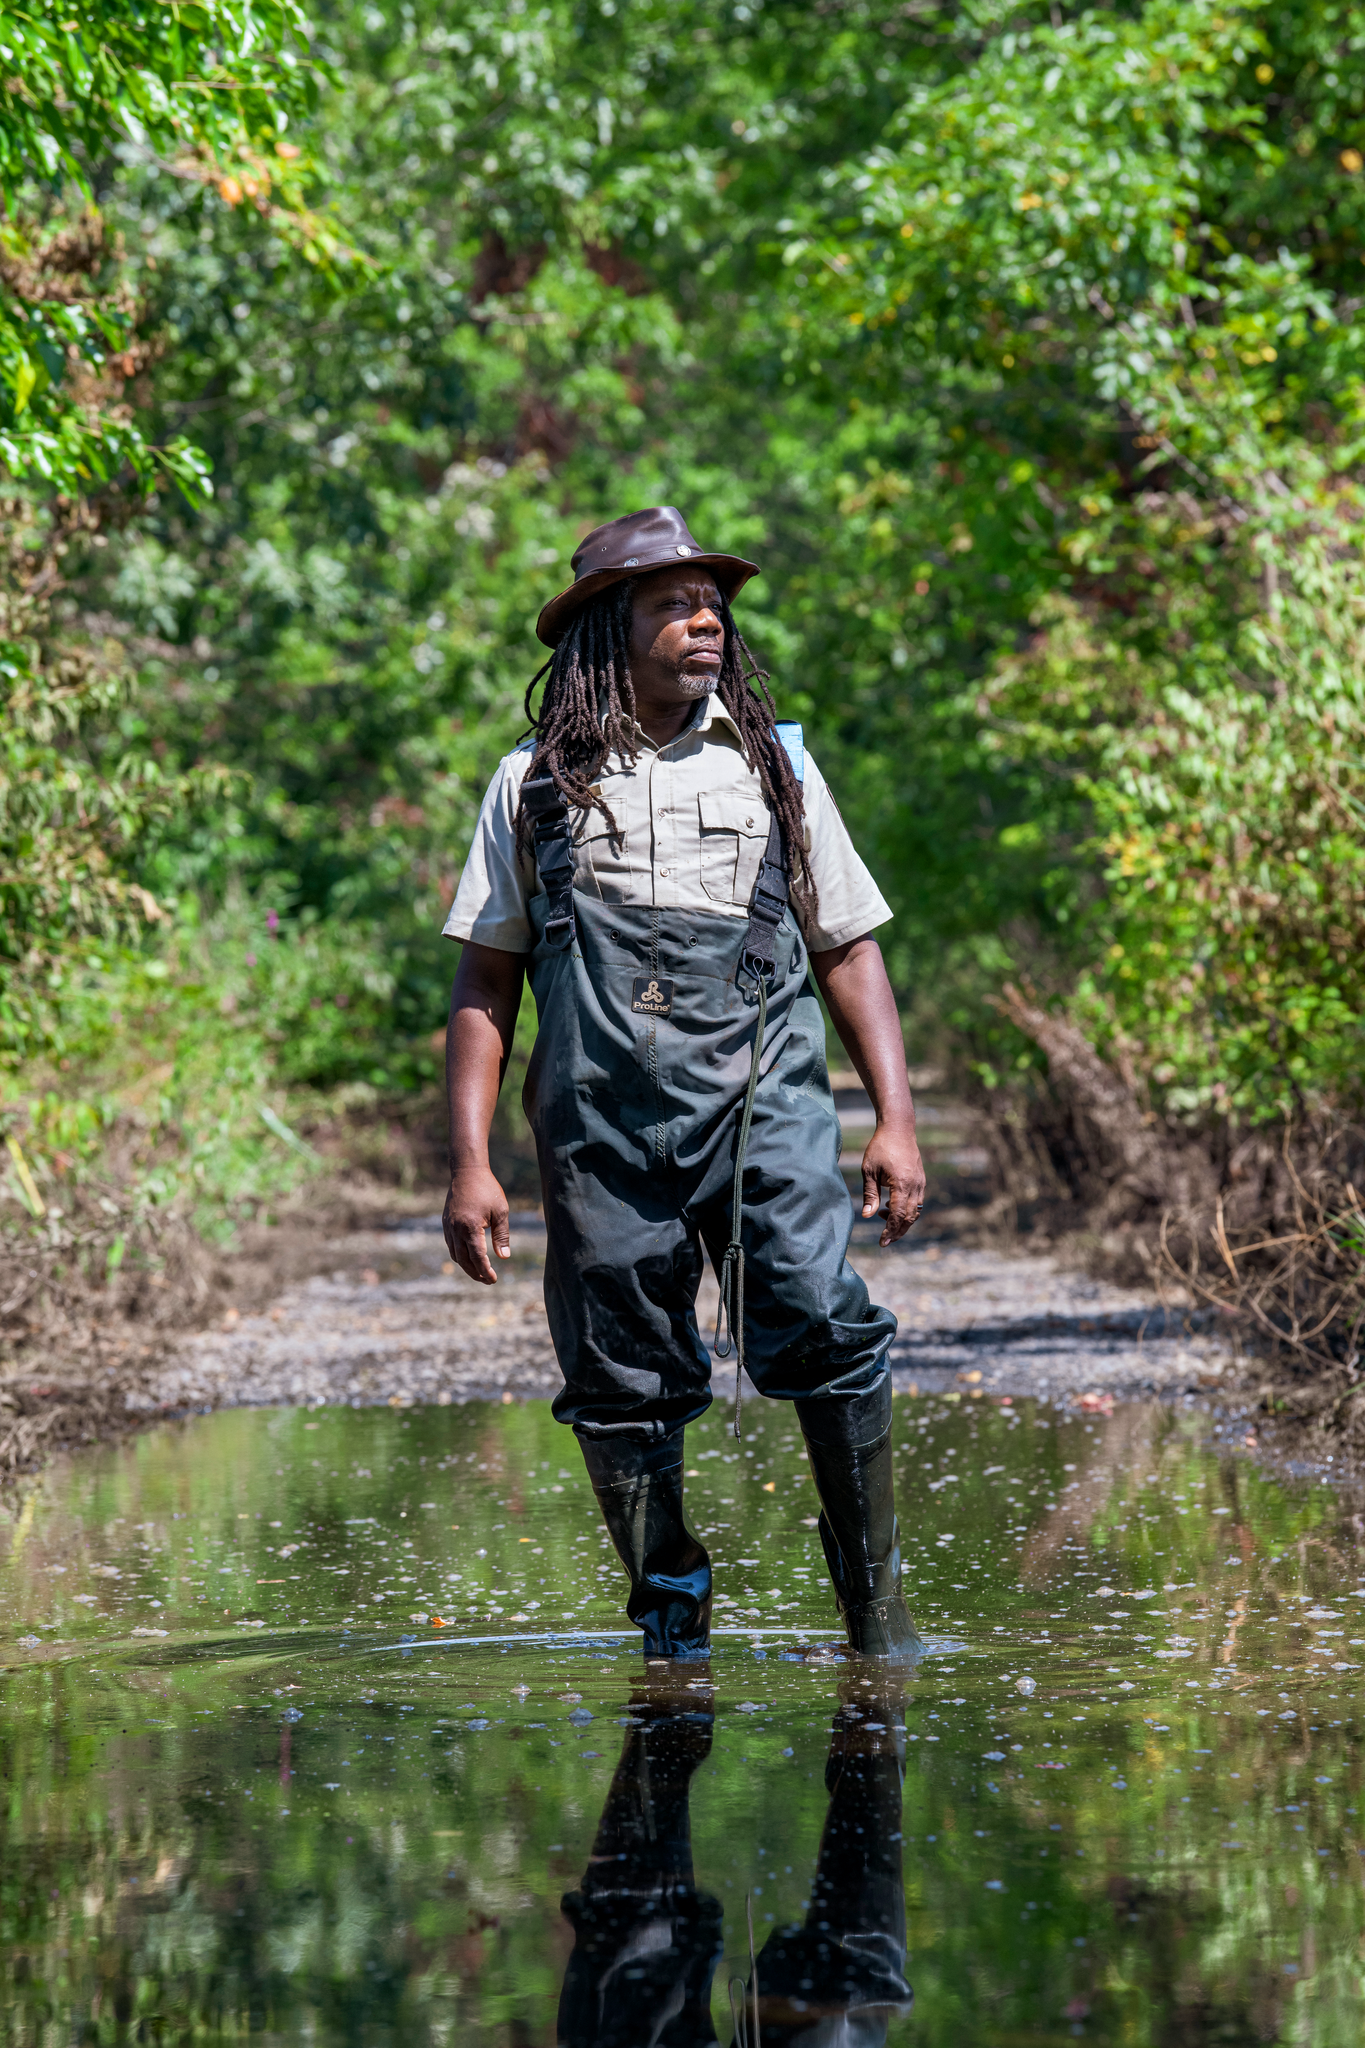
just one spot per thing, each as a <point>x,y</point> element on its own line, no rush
<point>639,1488</point>
<point>849,1447</point>
<point>646,1032</point>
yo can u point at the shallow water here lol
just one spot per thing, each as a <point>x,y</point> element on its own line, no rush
<point>253,1785</point>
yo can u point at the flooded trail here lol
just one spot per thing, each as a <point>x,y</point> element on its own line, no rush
<point>322,1722</point>
<point>325,1727</point>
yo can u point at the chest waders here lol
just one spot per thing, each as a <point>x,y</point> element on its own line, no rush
<point>664,1036</point>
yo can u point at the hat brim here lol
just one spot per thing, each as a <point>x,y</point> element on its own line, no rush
<point>732,573</point>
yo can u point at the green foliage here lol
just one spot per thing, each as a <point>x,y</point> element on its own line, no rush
<point>1021,346</point>
<point>179,1107</point>
<point>202,75</point>
<point>1227,947</point>
<point>204,92</point>
<point>77,808</point>
<point>1123,255</point>
<point>200,98</point>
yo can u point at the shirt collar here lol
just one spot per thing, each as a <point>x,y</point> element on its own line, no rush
<point>710,711</point>
<point>713,712</point>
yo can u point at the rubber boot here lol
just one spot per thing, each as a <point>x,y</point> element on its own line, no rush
<point>640,1492</point>
<point>848,1442</point>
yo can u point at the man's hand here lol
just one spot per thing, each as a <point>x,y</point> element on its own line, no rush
<point>892,1161</point>
<point>853,982</point>
<point>476,1203</point>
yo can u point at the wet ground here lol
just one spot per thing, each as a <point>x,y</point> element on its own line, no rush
<point>385,1317</point>
<point>323,1727</point>
<point>393,1321</point>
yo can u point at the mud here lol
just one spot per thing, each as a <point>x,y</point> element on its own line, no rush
<point>393,1321</point>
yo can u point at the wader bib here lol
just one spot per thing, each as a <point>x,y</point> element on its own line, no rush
<point>646,1035</point>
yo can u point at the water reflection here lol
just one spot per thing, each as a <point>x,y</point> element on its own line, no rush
<point>252,1785</point>
<point>647,1942</point>
<point>838,1979</point>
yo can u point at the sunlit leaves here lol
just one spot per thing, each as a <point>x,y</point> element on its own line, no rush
<point>204,91</point>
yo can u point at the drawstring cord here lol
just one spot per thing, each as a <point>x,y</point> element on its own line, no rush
<point>730,1309</point>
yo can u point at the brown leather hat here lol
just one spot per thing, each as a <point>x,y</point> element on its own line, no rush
<point>656,539</point>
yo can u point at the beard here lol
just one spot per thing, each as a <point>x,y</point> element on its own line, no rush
<point>697,685</point>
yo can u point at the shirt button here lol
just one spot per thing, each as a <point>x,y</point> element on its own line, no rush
<point>663,871</point>
<point>748,821</point>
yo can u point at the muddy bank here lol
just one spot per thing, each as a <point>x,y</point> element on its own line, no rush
<point>342,1306</point>
<point>80,1361</point>
<point>391,1320</point>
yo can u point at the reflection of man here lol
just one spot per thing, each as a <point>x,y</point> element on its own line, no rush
<point>836,1981</point>
<point>664,859</point>
<point>646,1942</point>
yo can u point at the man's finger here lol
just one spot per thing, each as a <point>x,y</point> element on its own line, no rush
<point>897,1212</point>
<point>500,1223</point>
<point>872,1194</point>
<point>473,1255</point>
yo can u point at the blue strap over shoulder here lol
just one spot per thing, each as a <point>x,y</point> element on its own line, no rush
<point>793,740</point>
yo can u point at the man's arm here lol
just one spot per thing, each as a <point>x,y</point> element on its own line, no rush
<point>483,1016</point>
<point>853,982</point>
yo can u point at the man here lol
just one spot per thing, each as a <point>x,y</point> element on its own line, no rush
<point>637,857</point>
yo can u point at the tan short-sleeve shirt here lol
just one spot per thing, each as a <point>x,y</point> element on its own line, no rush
<point>692,828</point>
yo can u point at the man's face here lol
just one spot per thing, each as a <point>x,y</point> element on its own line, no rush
<point>676,636</point>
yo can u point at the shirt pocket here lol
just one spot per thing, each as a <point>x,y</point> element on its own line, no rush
<point>733,835</point>
<point>602,862</point>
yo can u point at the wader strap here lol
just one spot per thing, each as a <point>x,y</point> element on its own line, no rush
<point>767,906</point>
<point>730,1309</point>
<point>554,854</point>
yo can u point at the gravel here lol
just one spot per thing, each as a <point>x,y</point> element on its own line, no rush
<point>393,1322</point>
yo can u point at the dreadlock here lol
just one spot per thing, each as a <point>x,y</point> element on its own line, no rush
<point>588,712</point>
